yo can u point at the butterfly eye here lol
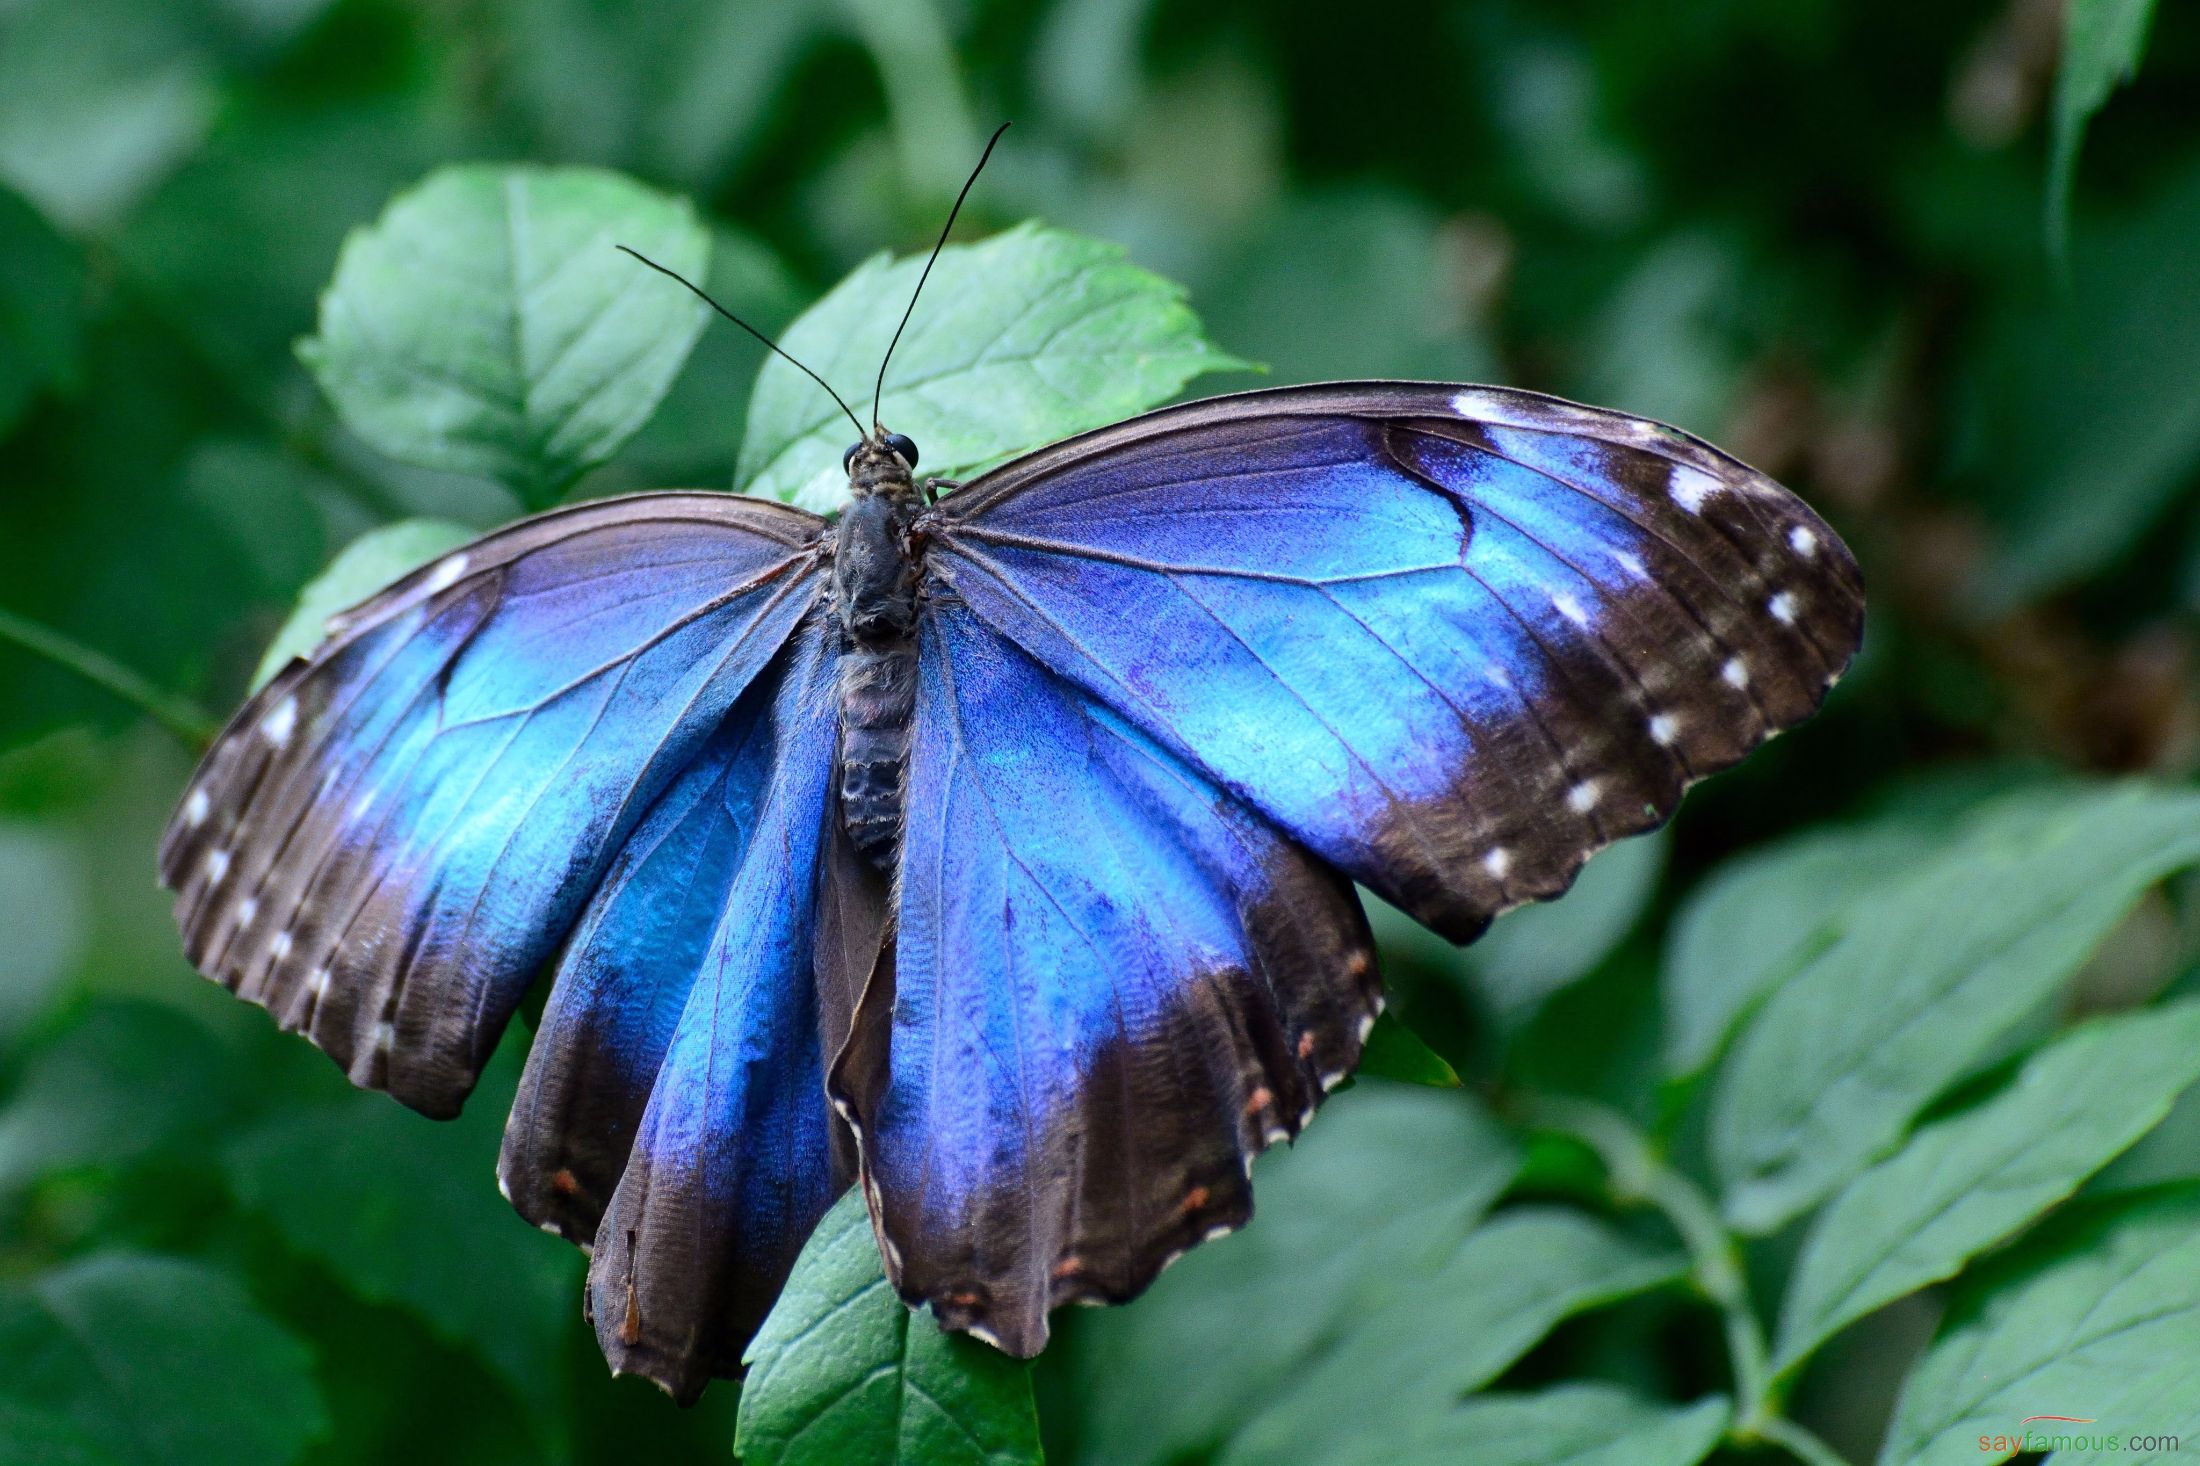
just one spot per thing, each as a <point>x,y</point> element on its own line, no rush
<point>848,459</point>
<point>902,448</point>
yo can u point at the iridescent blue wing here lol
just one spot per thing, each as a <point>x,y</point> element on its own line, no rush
<point>1111,986</point>
<point>1185,673</point>
<point>1452,639</point>
<point>392,838</point>
<point>673,1115</point>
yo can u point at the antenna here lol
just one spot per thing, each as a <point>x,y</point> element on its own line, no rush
<point>759,335</point>
<point>880,390</point>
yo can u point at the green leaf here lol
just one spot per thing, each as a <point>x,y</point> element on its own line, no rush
<point>843,1372</point>
<point>131,1080</point>
<point>1380,1190</point>
<point>402,1210</point>
<point>368,563</point>
<point>2108,449</point>
<point>2102,42</point>
<point>48,1438</point>
<point>1450,1331</point>
<point>161,1362</point>
<point>486,323</point>
<point>41,307</point>
<point>1759,919</point>
<point>99,99</point>
<point>1924,983</point>
<point>42,911</point>
<point>2098,1318</point>
<point>1571,1425</point>
<point>1965,1183</point>
<point>1394,1051</point>
<point>1532,952</point>
<point>1030,336</point>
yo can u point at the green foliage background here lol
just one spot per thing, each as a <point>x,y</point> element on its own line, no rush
<point>1849,1120</point>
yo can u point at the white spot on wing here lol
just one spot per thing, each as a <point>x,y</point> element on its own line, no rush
<point>281,722</point>
<point>446,573</point>
<point>1633,565</point>
<point>217,866</point>
<point>1215,1234</point>
<point>1734,674</point>
<point>317,981</point>
<point>1367,1026</point>
<point>246,910</point>
<point>1664,728</point>
<point>1690,489</point>
<point>1782,607</point>
<point>1498,861</point>
<point>1570,608</point>
<point>280,947</point>
<point>384,1036</point>
<point>195,809</point>
<point>1583,796</point>
<point>1802,541</point>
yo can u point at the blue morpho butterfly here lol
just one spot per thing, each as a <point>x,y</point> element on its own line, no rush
<point>998,851</point>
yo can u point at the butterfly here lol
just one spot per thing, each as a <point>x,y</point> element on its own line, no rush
<point>994,852</point>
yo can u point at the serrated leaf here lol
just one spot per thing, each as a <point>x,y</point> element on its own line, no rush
<point>1382,1188</point>
<point>1449,1332</point>
<point>1759,919</point>
<point>1530,953</point>
<point>1027,337</point>
<point>2102,41</point>
<point>41,307</point>
<point>1571,1425</point>
<point>843,1371</point>
<point>361,568</point>
<point>131,1080</point>
<point>1924,984</point>
<point>161,1362</point>
<point>2099,1317</point>
<point>487,324</point>
<point>1394,1051</point>
<point>404,1210</point>
<point>1965,1183</point>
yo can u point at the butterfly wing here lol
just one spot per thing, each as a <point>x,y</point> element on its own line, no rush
<point>1179,675</point>
<point>392,837</point>
<point>673,1109</point>
<point>1111,986</point>
<point>1454,640</point>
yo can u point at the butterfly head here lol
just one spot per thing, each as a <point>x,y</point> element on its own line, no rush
<point>881,463</point>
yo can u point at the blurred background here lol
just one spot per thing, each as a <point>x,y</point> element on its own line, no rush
<point>1817,232</point>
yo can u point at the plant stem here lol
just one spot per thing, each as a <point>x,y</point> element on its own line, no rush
<point>185,719</point>
<point>1640,1176</point>
<point>1798,1442</point>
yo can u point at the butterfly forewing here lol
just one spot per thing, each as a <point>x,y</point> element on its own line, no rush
<point>391,838</point>
<point>1455,640</point>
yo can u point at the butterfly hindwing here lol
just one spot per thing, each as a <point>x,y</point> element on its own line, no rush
<point>1453,640</point>
<point>733,1157</point>
<point>1111,987</point>
<point>392,837</point>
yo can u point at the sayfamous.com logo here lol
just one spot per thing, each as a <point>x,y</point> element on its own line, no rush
<point>2072,1433</point>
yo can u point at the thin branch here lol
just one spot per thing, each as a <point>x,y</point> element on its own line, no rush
<point>1640,1176</point>
<point>180,716</point>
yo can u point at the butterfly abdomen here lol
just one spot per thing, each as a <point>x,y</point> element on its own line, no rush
<point>878,689</point>
<point>874,598</point>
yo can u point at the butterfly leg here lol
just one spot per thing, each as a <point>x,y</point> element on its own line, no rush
<point>934,487</point>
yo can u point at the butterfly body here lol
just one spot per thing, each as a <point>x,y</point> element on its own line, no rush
<point>996,854</point>
<point>874,604</point>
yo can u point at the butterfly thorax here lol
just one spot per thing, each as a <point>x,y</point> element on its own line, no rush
<point>874,600</point>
